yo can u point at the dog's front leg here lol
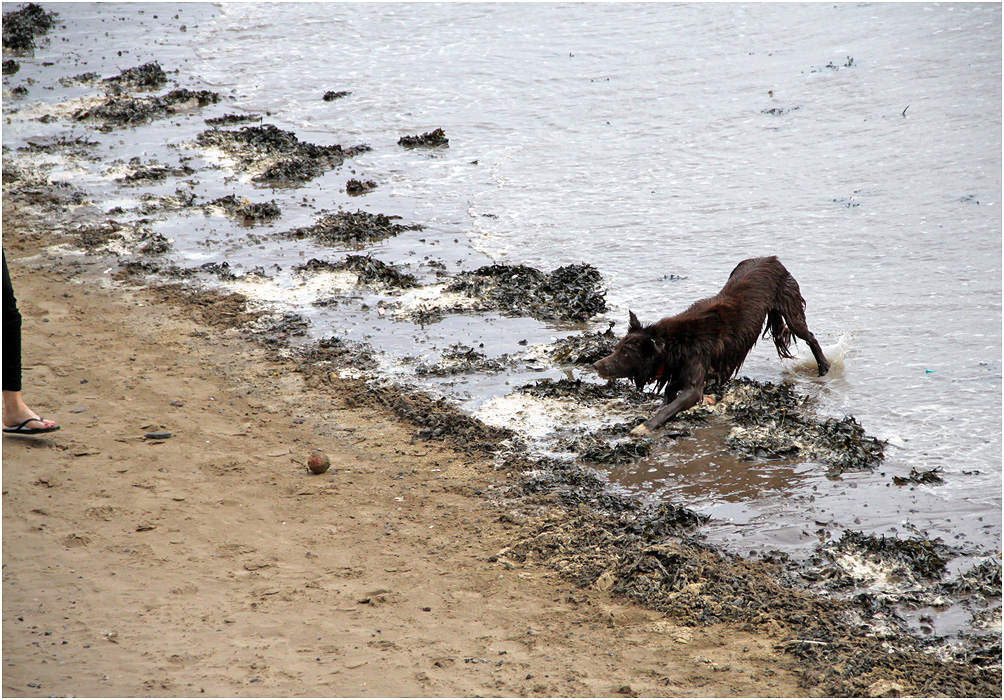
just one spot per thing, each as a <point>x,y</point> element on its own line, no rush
<point>684,400</point>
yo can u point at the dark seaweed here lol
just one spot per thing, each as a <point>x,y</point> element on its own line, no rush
<point>925,557</point>
<point>293,160</point>
<point>149,76</point>
<point>125,111</point>
<point>230,119</point>
<point>246,211</point>
<point>431,139</point>
<point>771,422</point>
<point>930,476</point>
<point>344,227</point>
<point>20,27</point>
<point>358,187</point>
<point>569,293</point>
<point>585,348</point>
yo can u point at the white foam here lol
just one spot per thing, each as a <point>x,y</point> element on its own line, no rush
<point>431,297</point>
<point>805,362</point>
<point>534,417</point>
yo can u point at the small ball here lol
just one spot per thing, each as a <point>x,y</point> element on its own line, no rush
<point>318,463</point>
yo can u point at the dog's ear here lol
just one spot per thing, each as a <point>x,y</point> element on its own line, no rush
<point>633,323</point>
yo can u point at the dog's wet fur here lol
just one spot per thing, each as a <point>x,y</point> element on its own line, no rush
<point>709,342</point>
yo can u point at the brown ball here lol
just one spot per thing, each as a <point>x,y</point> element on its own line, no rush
<point>318,462</point>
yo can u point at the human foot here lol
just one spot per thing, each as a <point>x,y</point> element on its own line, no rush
<point>31,426</point>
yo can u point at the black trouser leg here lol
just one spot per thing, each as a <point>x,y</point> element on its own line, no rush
<point>11,335</point>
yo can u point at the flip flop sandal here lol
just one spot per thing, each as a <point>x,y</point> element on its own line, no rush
<point>23,429</point>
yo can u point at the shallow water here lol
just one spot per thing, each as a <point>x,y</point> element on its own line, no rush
<point>661,144</point>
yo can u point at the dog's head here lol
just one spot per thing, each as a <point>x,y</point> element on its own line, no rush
<point>639,356</point>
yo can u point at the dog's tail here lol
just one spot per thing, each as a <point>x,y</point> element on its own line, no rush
<point>779,332</point>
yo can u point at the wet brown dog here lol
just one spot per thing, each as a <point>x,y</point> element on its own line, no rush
<point>709,341</point>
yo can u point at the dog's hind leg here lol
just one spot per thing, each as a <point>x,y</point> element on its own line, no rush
<point>794,318</point>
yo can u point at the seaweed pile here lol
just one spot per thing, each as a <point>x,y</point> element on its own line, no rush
<point>585,348</point>
<point>149,76</point>
<point>128,111</point>
<point>431,139</point>
<point>462,359</point>
<point>116,238</point>
<point>276,155</point>
<point>344,227</point>
<point>772,424</point>
<point>246,211</point>
<point>231,119</point>
<point>358,187</point>
<point>585,392</point>
<point>332,95</point>
<point>372,271</point>
<point>569,293</point>
<point>20,27</point>
<point>151,172</point>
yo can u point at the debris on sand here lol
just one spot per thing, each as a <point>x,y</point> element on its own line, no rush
<point>344,227</point>
<point>277,328</point>
<point>332,95</point>
<point>569,293</point>
<point>20,27</point>
<point>431,139</point>
<point>275,155</point>
<point>246,211</point>
<point>127,111</point>
<point>10,66</point>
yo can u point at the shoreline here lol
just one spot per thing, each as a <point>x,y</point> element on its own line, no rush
<point>174,359</point>
<point>520,541</point>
